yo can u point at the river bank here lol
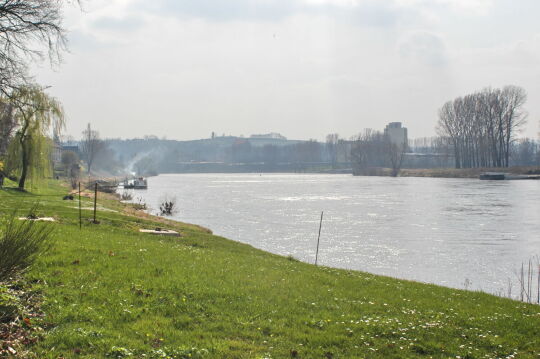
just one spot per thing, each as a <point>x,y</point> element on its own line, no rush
<point>423,229</point>
<point>111,291</point>
<point>447,172</point>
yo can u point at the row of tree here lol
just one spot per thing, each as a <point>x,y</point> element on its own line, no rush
<point>525,152</point>
<point>482,126</point>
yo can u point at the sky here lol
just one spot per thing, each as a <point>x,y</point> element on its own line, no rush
<point>303,68</point>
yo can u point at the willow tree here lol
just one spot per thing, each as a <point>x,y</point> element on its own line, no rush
<point>37,116</point>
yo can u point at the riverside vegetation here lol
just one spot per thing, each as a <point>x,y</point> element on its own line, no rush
<point>109,291</point>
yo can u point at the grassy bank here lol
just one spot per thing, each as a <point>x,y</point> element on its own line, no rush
<point>111,292</point>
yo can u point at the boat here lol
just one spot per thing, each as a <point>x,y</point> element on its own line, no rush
<point>494,176</point>
<point>103,185</point>
<point>137,183</point>
<point>500,176</point>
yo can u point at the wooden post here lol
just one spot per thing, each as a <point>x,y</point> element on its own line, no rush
<point>538,288</point>
<point>95,202</point>
<point>529,282</point>
<point>522,282</point>
<point>80,214</point>
<point>318,240</point>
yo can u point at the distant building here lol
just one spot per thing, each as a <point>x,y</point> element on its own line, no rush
<point>74,149</point>
<point>396,133</point>
<point>272,136</point>
<point>56,154</point>
<point>58,150</point>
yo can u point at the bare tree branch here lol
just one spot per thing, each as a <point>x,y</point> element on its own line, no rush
<point>30,30</point>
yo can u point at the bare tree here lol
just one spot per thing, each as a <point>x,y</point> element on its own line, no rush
<point>29,30</point>
<point>70,162</point>
<point>525,152</point>
<point>368,151</point>
<point>395,154</point>
<point>91,145</point>
<point>344,151</point>
<point>332,141</point>
<point>514,117</point>
<point>482,126</point>
<point>372,149</point>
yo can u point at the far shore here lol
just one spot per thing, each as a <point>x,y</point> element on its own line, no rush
<point>472,173</point>
<point>449,172</point>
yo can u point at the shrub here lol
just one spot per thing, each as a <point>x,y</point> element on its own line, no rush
<point>140,205</point>
<point>21,242</point>
<point>292,259</point>
<point>168,206</point>
<point>126,196</point>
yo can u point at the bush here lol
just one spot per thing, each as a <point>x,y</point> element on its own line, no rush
<point>126,196</point>
<point>21,242</point>
<point>140,205</point>
<point>168,206</point>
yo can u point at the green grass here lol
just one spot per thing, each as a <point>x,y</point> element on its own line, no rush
<point>111,292</point>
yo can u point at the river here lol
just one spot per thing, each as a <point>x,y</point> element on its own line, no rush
<point>460,233</point>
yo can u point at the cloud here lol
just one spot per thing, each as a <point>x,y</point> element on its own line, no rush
<point>79,40</point>
<point>220,10</point>
<point>306,66</point>
<point>126,24</point>
<point>360,12</point>
<point>528,50</point>
<point>475,6</point>
<point>425,48</point>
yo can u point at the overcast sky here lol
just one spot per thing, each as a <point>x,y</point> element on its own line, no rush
<point>304,68</point>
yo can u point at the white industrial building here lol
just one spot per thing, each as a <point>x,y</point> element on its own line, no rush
<point>397,133</point>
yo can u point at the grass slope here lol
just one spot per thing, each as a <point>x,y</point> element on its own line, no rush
<point>111,292</point>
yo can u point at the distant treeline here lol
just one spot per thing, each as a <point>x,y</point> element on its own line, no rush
<point>150,154</point>
<point>476,130</point>
<point>523,152</point>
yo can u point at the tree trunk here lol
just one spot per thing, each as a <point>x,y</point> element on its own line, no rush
<point>25,162</point>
